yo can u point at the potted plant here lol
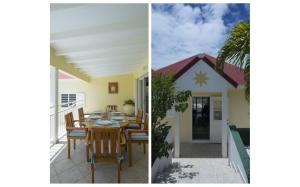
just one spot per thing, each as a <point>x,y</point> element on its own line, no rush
<point>128,107</point>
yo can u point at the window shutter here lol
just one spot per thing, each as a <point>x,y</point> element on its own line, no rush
<point>64,100</point>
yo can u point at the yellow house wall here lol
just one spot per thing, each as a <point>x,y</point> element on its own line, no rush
<point>186,117</point>
<point>141,70</point>
<point>239,109</point>
<point>96,91</point>
<point>186,124</point>
<point>238,113</point>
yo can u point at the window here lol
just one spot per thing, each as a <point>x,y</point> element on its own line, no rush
<point>217,110</point>
<point>68,100</point>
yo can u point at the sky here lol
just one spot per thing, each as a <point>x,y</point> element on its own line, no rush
<point>183,30</point>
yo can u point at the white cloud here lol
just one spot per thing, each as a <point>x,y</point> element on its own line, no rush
<point>180,31</point>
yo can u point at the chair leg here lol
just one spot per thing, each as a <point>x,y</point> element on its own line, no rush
<point>119,169</point>
<point>87,153</point>
<point>130,153</point>
<point>144,146</point>
<point>93,170</point>
<point>69,149</point>
<point>74,144</point>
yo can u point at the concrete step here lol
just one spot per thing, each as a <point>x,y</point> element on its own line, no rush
<point>199,170</point>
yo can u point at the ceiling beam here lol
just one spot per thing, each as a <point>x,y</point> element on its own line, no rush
<point>107,44</point>
<point>107,65</point>
<point>103,29</point>
<point>61,63</point>
<point>116,56</point>
<point>110,74</point>
<point>106,51</point>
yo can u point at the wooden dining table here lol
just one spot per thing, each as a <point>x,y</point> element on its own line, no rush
<point>96,121</point>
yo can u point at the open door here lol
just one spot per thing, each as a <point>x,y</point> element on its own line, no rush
<point>216,120</point>
<point>201,118</point>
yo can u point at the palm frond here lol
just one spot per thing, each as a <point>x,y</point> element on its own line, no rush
<point>236,49</point>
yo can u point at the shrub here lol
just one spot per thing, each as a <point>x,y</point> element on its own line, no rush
<point>164,97</point>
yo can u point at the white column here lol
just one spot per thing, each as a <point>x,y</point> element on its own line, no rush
<point>224,123</point>
<point>140,94</point>
<point>54,101</point>
<point>136,95</point>
<point>177,135</point>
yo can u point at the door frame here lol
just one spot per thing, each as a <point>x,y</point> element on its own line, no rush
<point>204,140</point>
<point>210,118</point>
<point>211,121</point>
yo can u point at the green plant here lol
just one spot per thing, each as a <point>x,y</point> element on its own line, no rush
<point>129,102</point>
<point>164,97</point>
<point>236,49</point>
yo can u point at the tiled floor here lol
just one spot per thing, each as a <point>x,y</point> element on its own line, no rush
<point>200,150</point>
<point>199,163</point>
<point>199,170</point>
<point>77,170</point>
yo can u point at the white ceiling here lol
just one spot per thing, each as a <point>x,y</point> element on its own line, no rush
<point>101,39</point>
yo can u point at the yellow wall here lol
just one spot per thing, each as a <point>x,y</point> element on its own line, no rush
<point>141,70</point>
<point>186,118</point>
<point>96,91</point>
<point>186,124</point>
<point>238,113</point>
<point>239,109</point>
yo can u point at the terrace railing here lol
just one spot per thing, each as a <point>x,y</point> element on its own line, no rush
<point>238,157</point>
<point>61,126</point>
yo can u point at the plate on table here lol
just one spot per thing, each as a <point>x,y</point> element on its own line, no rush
<point>93,116</point>
<point>116,113</point>
<point>104,122</point>
<point>117,118</point>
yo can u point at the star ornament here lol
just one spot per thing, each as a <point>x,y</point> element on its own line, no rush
<point>200,78</point>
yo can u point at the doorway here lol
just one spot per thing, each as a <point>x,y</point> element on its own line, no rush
<point>201,118</point>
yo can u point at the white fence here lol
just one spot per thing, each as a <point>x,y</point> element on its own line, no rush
<point>62,111</point>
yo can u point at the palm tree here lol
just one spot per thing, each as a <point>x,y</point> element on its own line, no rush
<point>236,50</point>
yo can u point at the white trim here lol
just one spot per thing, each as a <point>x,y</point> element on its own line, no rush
<point>215,125</point>
<point>143,76</point>
<point>224,123</point>
<point>177,136</point>
<point>200,141</point>
<point>135,95</point>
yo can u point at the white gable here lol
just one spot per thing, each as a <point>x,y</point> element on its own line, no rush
<point>215,82</point>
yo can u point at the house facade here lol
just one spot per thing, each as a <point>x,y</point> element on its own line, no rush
<point>217,100</point>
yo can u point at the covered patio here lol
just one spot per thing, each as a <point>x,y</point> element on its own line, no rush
<point>99,82</point>
<point>77,170</point>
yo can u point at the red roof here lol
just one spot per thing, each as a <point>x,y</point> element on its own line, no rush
<point>231,73</point>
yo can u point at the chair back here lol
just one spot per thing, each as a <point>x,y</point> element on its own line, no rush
<point>105,144</point>
<point>81,114</point>
<point>139,116</point>
<point>112,108</point>
<point>69,120</point>
<point>146,122</point>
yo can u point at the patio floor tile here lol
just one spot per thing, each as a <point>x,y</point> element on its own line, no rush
<point>78,170</point>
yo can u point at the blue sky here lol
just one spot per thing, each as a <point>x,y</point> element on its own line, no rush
<point>183,30</point>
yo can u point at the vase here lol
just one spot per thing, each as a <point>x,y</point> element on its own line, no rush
<point>128,110</point>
